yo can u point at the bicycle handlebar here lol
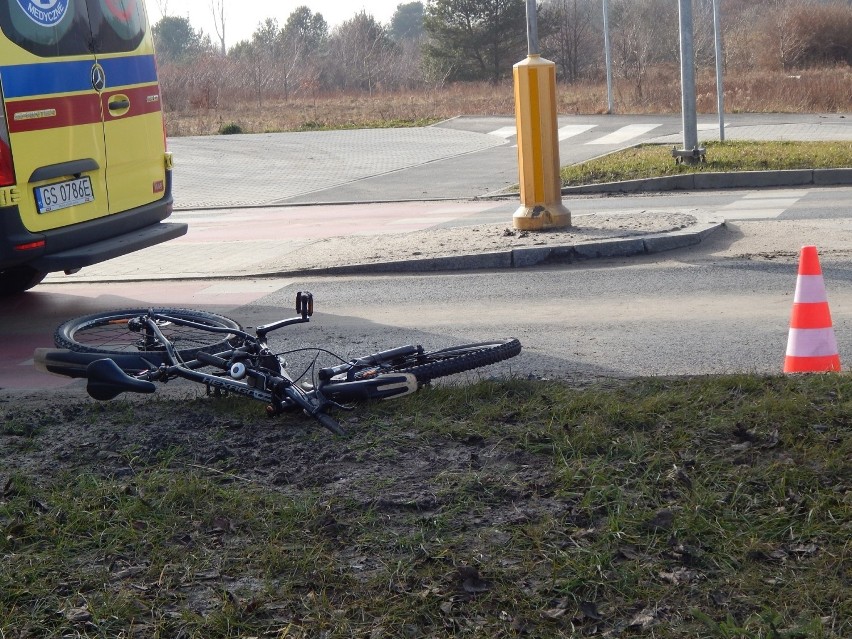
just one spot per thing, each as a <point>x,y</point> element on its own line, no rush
<point>211,360</point>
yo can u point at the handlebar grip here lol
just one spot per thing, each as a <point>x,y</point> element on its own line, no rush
<point>326,374</point>
<point>211,360</point>
<point>330,423</point>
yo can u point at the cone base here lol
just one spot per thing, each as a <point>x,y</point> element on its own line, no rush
<point>826,364</point>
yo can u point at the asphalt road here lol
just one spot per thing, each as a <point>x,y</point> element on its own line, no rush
<point>721,308</point>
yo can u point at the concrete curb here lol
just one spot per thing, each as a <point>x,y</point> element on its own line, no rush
<point>724,180</point>
<point>497,260</point>
<point>527,257</point>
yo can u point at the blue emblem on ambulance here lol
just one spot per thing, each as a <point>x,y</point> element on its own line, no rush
<point>47,13</point>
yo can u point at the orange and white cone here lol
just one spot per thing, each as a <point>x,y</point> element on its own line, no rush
<point>811,344</point>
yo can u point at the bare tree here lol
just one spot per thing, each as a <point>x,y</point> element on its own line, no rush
<point>360,50</point>
<point>163,6</point>
<point>217,7</point>
<point>573,35</point>
<point>303,37</point>
<point>789,41</point>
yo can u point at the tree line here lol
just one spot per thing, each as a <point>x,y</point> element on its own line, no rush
<point>429,44</point>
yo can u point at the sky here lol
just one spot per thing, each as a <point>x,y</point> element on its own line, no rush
<point>243,16</point>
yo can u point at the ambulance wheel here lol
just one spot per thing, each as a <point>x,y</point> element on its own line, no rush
<point>17,279</point>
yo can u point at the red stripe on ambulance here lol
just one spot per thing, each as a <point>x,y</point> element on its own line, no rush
<point>53,112</point>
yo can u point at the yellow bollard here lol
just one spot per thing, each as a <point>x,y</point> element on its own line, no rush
<point>538,147</point>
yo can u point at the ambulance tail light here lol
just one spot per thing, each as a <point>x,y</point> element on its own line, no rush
<point>7,166</point>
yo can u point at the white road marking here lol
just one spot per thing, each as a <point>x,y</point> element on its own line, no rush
<point>571,130</point>
<point>504,132</point>
<point>761,205</point>
<point>625,133</point>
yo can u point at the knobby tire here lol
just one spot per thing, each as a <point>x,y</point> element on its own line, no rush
<point>458,359</point>
<point>106,333</point>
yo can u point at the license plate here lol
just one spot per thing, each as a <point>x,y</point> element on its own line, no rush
<point>61,195</point>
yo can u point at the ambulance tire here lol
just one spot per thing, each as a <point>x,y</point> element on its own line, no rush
<point>17,279</point>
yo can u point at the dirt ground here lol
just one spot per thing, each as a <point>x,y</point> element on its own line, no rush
<point>399,475</point>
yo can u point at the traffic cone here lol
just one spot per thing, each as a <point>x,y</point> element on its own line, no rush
<point>811,344</point>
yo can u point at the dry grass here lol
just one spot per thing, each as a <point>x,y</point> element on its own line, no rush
<point>817,91</point>
<point>659,508</point>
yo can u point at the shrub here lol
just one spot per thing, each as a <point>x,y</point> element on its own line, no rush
<point>230,129</point>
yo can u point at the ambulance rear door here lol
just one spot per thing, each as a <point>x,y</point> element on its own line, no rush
<point>130,102</point>
<point>54,120</point>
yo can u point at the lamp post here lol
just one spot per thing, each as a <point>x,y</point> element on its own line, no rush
<point>690,153</point>
<point>720,88</point>
<point>608,56</point>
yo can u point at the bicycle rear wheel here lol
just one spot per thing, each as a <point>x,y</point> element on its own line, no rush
<point>108,333</point>
<point>449,361</point>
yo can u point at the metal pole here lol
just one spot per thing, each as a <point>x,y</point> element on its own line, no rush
<point>720,86</point>
<point>608,57</point>
<point>687,77</point>
<point>532,28</point>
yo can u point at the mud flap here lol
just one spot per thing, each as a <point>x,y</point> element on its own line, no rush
<point>395,385</point>
<point>380,387</point>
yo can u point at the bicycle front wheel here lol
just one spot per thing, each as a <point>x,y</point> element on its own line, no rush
<point>449,361</point>
<point>108,333</point>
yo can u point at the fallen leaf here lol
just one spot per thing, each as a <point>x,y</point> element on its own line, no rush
<point>643,619</point>
<point>677,576</point>
<point>628,552</point>
<point>679,475</point>
<point>9,489</point>
<point>662,520</point>
<point>772,440</point>
<point>221,525</point>
<point>39,505</point>
<point>475,586</point>
<point>590,610</point>
<point>804,549</point>
<point>467,572</point>
<point>78,615</point>
<point>553,613</point>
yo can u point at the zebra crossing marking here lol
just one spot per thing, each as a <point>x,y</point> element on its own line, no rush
<point>571,130</point>
<point>504,132</point>
<point>625,133</point>
<point>761,205</point>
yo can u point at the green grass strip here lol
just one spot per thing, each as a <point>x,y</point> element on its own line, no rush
<point>691,507</point>
<point>654,160</point>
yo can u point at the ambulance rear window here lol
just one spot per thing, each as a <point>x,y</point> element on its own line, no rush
<point>118,25</point>
<point>58,28</point>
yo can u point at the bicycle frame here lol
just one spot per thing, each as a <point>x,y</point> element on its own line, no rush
<point>253,370</point>
<point>97,347</point>
<point>187,370</point>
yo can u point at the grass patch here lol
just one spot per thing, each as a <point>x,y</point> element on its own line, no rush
<point>699,507</point>
<point>654,160</point>
<point>313,125</point>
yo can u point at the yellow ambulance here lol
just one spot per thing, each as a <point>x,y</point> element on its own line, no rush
<point>84,171</point>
